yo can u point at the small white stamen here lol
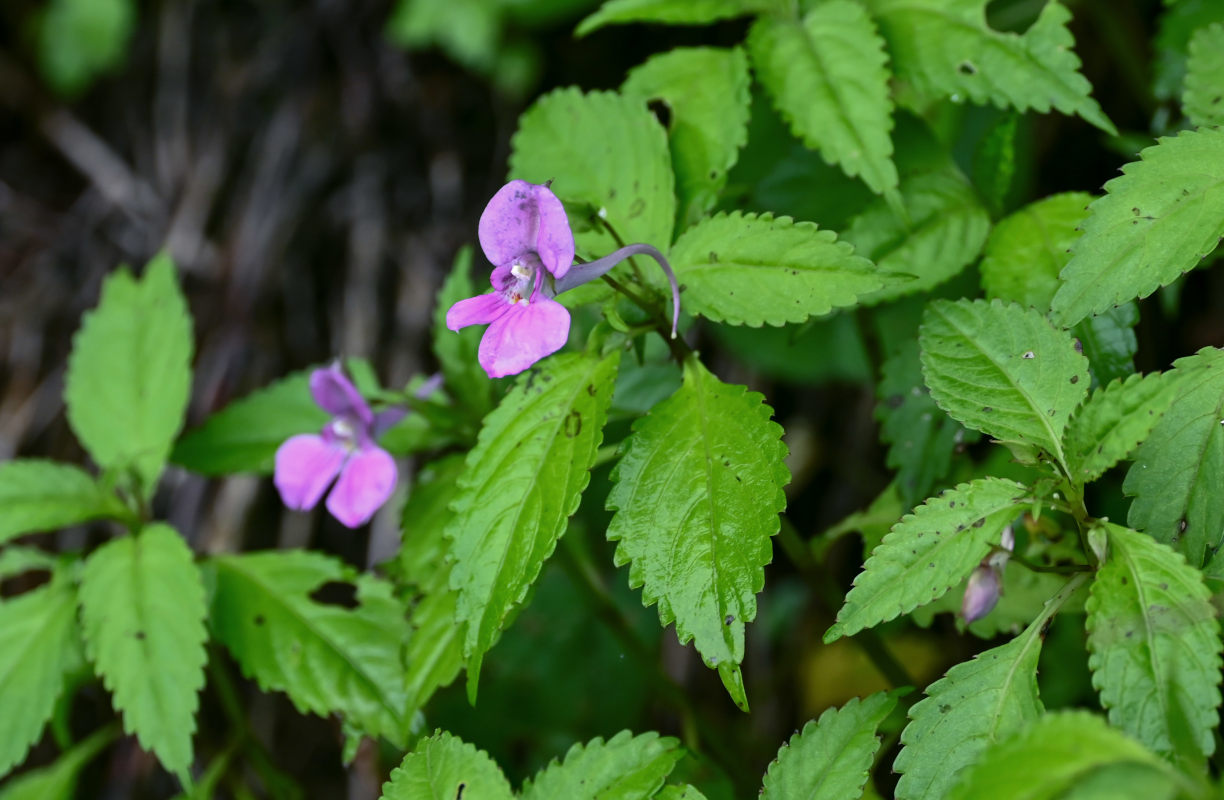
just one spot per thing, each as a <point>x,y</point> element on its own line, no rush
<point>602,213</point>
<point>520,270</point>
<point>342,429</point>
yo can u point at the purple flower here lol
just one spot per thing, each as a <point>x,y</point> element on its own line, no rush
<point>525,233</point>
<point>986,581</point>
<point>308,463</point>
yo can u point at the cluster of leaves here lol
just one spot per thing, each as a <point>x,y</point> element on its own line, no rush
<point>1042,366</point>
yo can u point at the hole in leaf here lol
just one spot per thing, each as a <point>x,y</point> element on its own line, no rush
<point>336,593</point>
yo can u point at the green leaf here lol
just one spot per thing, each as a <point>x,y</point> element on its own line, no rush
<point>685,792</point>
<point>921,437</point>
<point>1109,342</point>
<point>80,40</point>
<point>1028,249</point>
<point>994,162</point>
<point>16,560</point>
<point>831,758</point>
<point>38,634</point>
<point>745,269</point>
<point>456,351</point>
<point>523,480</point>
<point>947,49</point>
<point>444,767</point>
<point>38,495</point>
<point>946,229</point>
<point>1154,642</point>
<point>977,704</point>
<point>1003,370</point>
<point>929,552</point>
<point>129,374</point>
<point>827,77</point>
<point>58,780</point>
<point>705,90</point>
<point>244,436</point>
<point>1113,421</point>
<point>608,159</point>
<point>326,657</point>
<point>1178,470</point>
<point>674,12</point>
<point>1054,756</point>
<point>697,493</point>
<point>1163,215</point>
<point>627,767</point>
<point>1203,96</point>
<point>142,613</point>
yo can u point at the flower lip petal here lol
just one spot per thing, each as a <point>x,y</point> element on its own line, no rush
<point>306,464</point>
<point>479,310</point>
<point>524,335</point>
<point>365,484</point>
<point>335,394</point>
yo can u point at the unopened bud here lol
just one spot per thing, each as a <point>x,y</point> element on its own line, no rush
<point>981,594</point>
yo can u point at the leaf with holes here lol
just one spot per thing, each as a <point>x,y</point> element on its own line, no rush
<point>129,374</point>
<point>1114,420</point>
<point>522,482</point>
<point>38,495</point>
<point>1203,96</point>
<point>1159,219</point>
<point>947,49</point>
<point>1003,370</point>
<point>444,766</point>
<point>1178,470</point>
<point>831,758</point>
<point>745,269</point>
<point>675,12</point>
<point>608,160</point>
<point>626,767</point>
<point>1154,643</point>
<point>38,637</point>
<point>142,613</point>
<point>326,657</point>
<point>705,90</point>
<point>697,495</point>
<point>978,703</point>
<point>828,78</point>
<point>928,552</point>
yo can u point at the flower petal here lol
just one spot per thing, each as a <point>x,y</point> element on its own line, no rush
<point>479,310</point>
<point>305,467</point>
<point>555,244</point>
<point>525,218</point>
<point>335,394</point>
<point>527,333</point>
<point>366,482</point>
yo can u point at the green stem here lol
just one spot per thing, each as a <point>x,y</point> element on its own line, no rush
<point>1063,569</point>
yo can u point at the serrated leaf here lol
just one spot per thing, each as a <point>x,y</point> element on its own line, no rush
<point>38,635</point>
<point>58,780</point>
<point>1178,470</point>
<point>244,436</point>
<point>607,157</point>
<point>456,351</point>
<point>1113,421</point>
<point>947,49</point>
<point>929,552</point>
<point>1052,757</point>
<point>697,493</point>
<point>977,704</point>
<point>674,12</point>
<point>444,767</point>
<point>327,658</point>
<point>1154,642</point>
<point>685,792</point>
<point>947,226</point>
<point>1171,44</point>
<point>1163,215</point>
<point>1203,96</point>
<point>1028,249</point>
<point>1003,370</point>
<point>706,93</point>
<point>920,435</point>
<point>626,767</point>
<point>522,482</point>
<point>38,495</point>
<point>129,373</point>
<point>142,614</point>
<point>745,269</point>
<point>831,758</point>
<point>828,78</point>
<point>1109,342</point>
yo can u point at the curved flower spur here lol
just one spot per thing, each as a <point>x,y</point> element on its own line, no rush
<point>525,233</point>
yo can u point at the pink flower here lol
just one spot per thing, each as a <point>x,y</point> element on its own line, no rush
<point>307,464</point>
<point>525,233</point>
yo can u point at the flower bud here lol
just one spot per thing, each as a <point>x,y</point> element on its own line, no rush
<point>981,594</point>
